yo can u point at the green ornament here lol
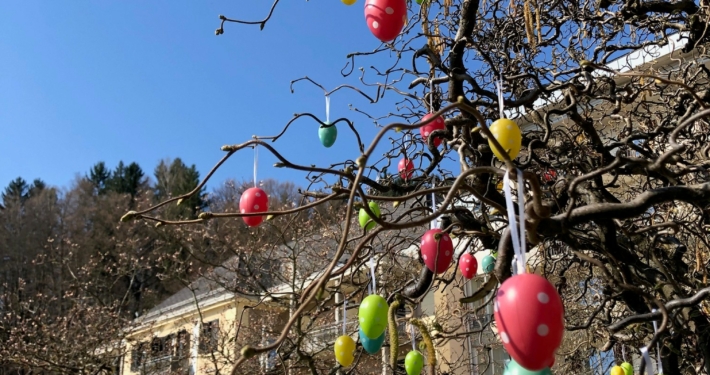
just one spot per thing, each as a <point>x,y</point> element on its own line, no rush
<point>327,134</point>
<point>363,217</point>
<point>488,263</point>
<point>372,316</point>
<point>628,368</point>
<point>414,362</point>
<point>514,368</point>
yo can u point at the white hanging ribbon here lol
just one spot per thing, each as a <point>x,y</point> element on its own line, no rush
<point>658,346</point>
<point>414,341</point>
<point>256,161</point>
<point>431,95</point>
<point>517,233</point>
<point>345,314</point>
<point>647,360</point>
<point>372,272</point>
<point>433,204</point>
<point>623,352</point>
<point>499,87</point>
<point>327,109</point>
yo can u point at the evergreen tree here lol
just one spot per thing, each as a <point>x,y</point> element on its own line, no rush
<point>36,188</point>
<point>99,176</point>
<point>174,179</point>
<point>126,179</point>
<point>16,191</point>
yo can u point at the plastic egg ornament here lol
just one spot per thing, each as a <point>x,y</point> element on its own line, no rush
<point>468,266</point>
<point>327,134</point>
<point>371,346</point>
<point>344,348</point>
<point>628,368</point>
<point>414,362</point>
<point>437,254</point>
<point>488,263</point>
<point>529,316</point>
<point>617,370</point>
<point>508,135</point>
<point>253,200</point>
<point>385,18</point>
<point>406,168</point>
<point>427,129</point>
<point>514,368</point>
<point>348,2</point>
<point>363,217</point>
<point>372,316</point>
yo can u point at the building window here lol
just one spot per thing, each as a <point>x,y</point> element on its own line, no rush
<point>137,357</point>
<point>209,337</point>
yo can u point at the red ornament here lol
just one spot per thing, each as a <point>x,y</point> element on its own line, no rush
<point>549,175</point>
<point>437,255</point>
<point>430,127</point>
<point>530,319</point>
<point>253,200</point>
<point>385,18</point>
<point>406,168</point>
<point>468,266</point>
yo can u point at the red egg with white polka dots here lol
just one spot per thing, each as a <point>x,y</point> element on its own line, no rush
<point>386,18</point>
<point>468,266</point>
<point>406,168</point>
<point>437,254</point>
<point>252,201</point>
<point>529,316</point>
<point>427,129</point>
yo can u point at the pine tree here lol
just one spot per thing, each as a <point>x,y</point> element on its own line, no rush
<point>16,191</point>
<point>99,176</point>
<point>126,179</point>
<point>174,178</point>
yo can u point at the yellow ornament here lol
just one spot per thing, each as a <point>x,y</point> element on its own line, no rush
<point>348,2</point>
<point>617,370</point>
<point>508,135</point>
<point>344,348</point>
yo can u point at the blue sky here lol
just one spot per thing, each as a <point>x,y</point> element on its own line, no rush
<point>89,81</point>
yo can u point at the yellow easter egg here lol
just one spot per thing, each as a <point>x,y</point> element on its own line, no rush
<point>344,348</point>
<point>617,370</point>
<point>348,2</point>
<point>508,135</point>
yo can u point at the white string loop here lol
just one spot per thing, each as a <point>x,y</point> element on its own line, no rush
<point>327,109</point>
<point>517,233</point>
<point>345,315</point>
<point>658,346</point>
<point>647,360</point>
<point>431,94</point>
<point>256,160</point>
<point>414,338</point>
<point>372,272</point>
<point>499,87</point>
<point>433,204</point>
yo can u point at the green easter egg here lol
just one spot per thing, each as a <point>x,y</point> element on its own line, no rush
<point>372,316</point>
<point>488,263</point>
<point>327,135</point>
<point>363,217</point>
<point>628,368</point>
<point>514,368</point>
<point>414,362</point>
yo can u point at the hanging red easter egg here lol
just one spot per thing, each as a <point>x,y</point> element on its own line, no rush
<point>529,316</point>
<point>386,18</point>
<point>427,129</point>
<point>252,201</point>
<point>468,266</point>
<point>437,254</point>
<point>406,168</point>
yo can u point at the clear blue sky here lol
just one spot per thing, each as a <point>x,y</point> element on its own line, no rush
<point>89,81</point>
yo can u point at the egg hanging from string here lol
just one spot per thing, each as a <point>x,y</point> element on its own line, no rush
<point>327,134</point>
<point>372,316</point>
<point>371,346</point>
<point>488,263</point>
<point>385,18</point>
<point>617,370</point>
<point>406,168</point>
<point>468,265</point>
<point>414,362</point>
<point>427,129</point>
<point>529,317</point>
<point>253,200</point>
<point>363,217</point>
<point>344,350</point>
<point>514,368</point>
<point>628,368</point>
<point>508,135</point>
<point>437,254</point>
